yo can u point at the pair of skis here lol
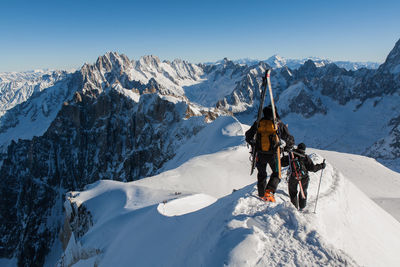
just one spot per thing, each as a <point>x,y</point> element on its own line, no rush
<point>297,173</point>
<point>266,82</point>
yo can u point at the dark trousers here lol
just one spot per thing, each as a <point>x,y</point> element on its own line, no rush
<point>297,200</point>
<point>262,161</point>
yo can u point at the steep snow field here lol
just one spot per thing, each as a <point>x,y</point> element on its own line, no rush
<point>378,182</point>
<point>205,213</point>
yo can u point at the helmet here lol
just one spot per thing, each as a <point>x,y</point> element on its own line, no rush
<point>301,147</point>
<point>267,111</point>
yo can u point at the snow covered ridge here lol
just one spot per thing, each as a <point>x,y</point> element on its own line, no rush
<point>190,217</point>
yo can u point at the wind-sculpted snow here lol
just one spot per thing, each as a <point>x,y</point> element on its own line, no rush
<point>223,133</point>
<point>134,221</point>
<point>185,205</point>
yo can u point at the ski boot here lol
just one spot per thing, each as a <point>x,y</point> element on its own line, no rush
<point>269,196</point>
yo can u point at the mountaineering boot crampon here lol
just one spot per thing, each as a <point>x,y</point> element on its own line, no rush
<point>269,196</point>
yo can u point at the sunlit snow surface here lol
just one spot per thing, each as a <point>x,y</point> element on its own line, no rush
<point>190,216</point>
<point>378,182</point>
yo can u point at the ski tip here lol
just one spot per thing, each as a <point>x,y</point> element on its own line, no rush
<point>267,73</point>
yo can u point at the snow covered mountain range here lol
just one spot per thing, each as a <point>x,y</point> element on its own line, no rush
<point>17,87</point>
<point>277,61</point>
<point>125,120</point>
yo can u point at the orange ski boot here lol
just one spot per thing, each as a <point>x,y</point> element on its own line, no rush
<point>269,196</point>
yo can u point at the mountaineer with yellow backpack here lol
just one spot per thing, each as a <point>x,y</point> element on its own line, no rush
<point>267,139</point>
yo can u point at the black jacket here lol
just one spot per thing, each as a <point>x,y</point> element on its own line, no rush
<point>307,163</point>
<point>283,133</point>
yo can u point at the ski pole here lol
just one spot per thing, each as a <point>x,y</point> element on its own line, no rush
<point>319,185</point>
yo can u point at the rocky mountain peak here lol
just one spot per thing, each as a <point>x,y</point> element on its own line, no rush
<point>333,69</point>
<point>276,61</point>
<point>227,63</point>
<point>113,61</point>
<point>392,62</point>
<point>309,65</point>
<point>150,60</point>
<point>308,70</point>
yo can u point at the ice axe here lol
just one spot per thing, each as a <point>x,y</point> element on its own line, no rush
<point>316,201</point>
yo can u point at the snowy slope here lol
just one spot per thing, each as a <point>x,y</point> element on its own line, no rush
<point>189,216</point>
<point>378,182</point>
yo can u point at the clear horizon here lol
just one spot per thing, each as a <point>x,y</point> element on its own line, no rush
<point>65,35</point>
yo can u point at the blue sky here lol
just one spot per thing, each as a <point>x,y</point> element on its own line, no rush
<point>66,34</point>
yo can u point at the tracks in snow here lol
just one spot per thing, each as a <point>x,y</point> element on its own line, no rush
<point>284,236</point>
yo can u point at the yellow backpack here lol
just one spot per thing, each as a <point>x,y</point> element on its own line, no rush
<point>267,133</point>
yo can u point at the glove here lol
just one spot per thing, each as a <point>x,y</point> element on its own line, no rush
<point>251,142</point>
<point>323,165</point>
<point>288,148</point>
<point>282,143</point>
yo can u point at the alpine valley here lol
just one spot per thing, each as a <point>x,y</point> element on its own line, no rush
<point>121,159</point>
